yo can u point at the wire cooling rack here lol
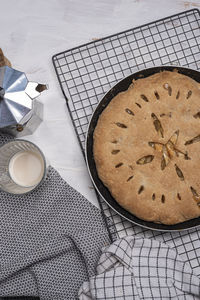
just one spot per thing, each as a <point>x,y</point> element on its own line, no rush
<point>87,72</point>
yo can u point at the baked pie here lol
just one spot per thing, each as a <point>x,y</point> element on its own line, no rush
<point>147,148</point>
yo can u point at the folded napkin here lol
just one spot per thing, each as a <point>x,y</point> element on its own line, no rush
<point>137,268</point>
<point>50,240</point>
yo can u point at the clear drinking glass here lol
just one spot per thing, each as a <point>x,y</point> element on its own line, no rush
<point>8,151</point>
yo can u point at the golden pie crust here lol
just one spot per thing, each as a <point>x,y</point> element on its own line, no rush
<point>147,148</point>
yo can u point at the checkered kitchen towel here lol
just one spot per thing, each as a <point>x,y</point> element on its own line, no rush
<point>137,268</point>
<point>50,241</point>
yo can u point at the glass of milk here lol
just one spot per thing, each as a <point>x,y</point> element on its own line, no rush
<point>22,167</point>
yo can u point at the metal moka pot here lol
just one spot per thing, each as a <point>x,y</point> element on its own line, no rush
<point>20,112</point>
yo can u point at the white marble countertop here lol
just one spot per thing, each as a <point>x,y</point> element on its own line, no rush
<point>33,31</point>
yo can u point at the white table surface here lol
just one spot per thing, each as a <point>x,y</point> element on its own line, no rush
<point>34,30</point>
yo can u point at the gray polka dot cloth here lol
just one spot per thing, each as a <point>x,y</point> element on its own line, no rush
<point>50,240</point>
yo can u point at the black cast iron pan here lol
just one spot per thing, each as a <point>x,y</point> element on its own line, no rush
<point>102,190</point>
